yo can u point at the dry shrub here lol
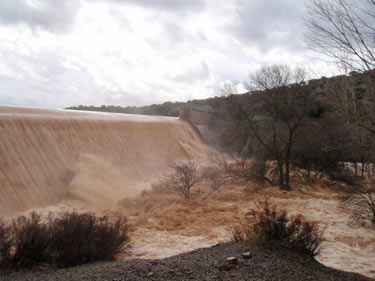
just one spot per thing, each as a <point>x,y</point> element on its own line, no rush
<point>258,171</point>
<point>5,243</point>
<point>215,179</point>
<point>30,240</point>
<point>189,217</point>
<point>159,188</point>
<point>252,188</point>
<point>184,178</point>
<point>318,182</point>
<point>189,182</point>
<point>239,234</point>
<point>241,170</point>
<point>269,224</point>
<point>345,176</point>
<point>245,170</point>
<point>146,204</point>
<point>82,238</point>
<point>68,240</point>
<point>361,199</point>
<point>220,161</point>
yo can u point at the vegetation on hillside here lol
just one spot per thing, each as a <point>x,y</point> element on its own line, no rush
<point>166,109</point>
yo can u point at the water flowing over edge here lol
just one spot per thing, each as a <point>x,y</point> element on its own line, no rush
<point>50,155</point>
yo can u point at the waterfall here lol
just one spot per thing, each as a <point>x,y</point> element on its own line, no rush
<point>48,155</point>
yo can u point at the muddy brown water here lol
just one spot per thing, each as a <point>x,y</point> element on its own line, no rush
<point>48,155</point>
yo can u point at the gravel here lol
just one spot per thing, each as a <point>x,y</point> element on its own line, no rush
<point>270,262</point>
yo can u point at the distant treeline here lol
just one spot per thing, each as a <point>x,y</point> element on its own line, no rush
<point>165,109</point>
<point>320,86</point>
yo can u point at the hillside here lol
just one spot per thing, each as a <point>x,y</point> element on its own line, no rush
<point>322,87</point>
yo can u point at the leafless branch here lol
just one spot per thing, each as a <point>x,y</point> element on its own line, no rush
<point>183,179</point>
<point>343,31</point>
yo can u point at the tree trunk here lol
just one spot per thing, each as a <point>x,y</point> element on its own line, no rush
<point>187,192</point>
<point>281,173</point>
<point>369,167</point>
<point>363,167</point>
<point>287,169</point>
<point>308,173</point>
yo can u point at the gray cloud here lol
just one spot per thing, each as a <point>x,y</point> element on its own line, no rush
<point>130,99</point>
<point>43,80</point>
<point>268,24</point>
<point>59,15</point>
<point>56,15</point>
<point>194,59</point>
<point>194,74</point>
<point>175,40</point>
<point>169,5</point>
<point>122,21</point>
<point>71,87</point>
<point>175,32</point>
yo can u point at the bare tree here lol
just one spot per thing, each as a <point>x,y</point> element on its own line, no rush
<point>215,178</point>
<point>353,96</point>
<point>184,178</point>
<point>276,120</point>
<point>229,88</point>
<point>219,161</point>
<point>344,31</point>
<point>274,76</point>
<point>362,200</point>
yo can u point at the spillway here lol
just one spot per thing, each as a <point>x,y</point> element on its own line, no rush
<point>48,155</point>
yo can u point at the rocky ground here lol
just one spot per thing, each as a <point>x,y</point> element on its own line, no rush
<point>271,262</point>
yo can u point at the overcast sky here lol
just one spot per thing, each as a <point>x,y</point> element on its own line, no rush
<point>59,53</point>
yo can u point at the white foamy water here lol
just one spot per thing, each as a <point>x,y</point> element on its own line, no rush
<point>152,244</point>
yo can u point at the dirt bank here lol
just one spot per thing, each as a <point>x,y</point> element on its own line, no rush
<point>266,263</point>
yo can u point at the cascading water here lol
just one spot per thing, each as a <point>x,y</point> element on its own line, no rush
<point>48,155</point>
